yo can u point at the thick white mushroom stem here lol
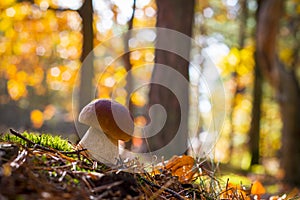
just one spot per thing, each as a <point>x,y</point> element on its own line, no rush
<point>99,146</point>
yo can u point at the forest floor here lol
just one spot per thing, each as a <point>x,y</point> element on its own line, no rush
<point>46,167</point>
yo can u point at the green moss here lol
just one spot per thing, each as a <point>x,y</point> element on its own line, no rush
<point>47,140</point>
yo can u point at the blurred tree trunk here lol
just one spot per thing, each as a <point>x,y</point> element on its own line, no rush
<point>87,69</point>
<point>176,15</point>
<point>128,67</point>
<point>256,115</point>
<point>289,99</point>
<point>284,80</point>
<point>254,132</point>
<point>235,76</point>
<point>126,56</point>
<point>244,14</point>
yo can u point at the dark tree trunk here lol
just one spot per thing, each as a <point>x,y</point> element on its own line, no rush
<point>254,132</point>
<point>289,99</point>
<point>256,115</point>
<point>86,87</point>
<point>176,15</point>
<point>285,82</point>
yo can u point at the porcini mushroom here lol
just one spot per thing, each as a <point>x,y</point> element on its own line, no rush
<point>109,122</point>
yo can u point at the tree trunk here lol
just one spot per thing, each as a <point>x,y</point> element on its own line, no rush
<point>128,67</point>
<point>176,15</point>
<point>254,132</point>
<point>256,115</point>
<point>87,69</point>
<point>243,23</point>
<point>284,80</point>
<point>289,99</point>
<point>268,16</point>
<point>235,76</point>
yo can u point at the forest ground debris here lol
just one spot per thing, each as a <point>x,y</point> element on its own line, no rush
<point>41,166</point>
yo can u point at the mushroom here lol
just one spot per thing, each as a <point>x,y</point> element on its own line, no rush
<point>109,122</point>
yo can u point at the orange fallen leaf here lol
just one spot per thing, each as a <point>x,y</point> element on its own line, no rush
<point>181,166</point>
<point>257,188</point>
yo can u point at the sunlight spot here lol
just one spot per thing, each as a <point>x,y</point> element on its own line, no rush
<point>72,52</point>
<point>37,118</point>
<point>44,5</point>
<point>40,51</point>
<point>74,21</point>
<point>252,5</point>
<point>139,13</point>
<point>208,12</point>
<point>231,2</point>
<point>122,3</point>
<point>121,19</point>
<point>135,55</point>
<point>109,82</point>
<point>107,14</point>
<point>204,106</point>
<point>142,3</point>
<point>55,71</point>
<point>16,89</point>
<point>10,12</point>
<point>25,48</point>
<point>108,60</point>
<point>233,59</point>
<point>104,25</point>
<point>140,121</point>
<point>138,99</point>
<point>49,112</point>
<point>132,42</point>
<point>72,4</point>
<point>55,85</point>
<point>66,76</point>
<point>216,51</point>
<point>137,142</point>
<point>146,35</point>
<point>149,57</point>
<point>150,12</point>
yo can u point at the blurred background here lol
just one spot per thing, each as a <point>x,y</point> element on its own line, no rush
<point>253,44</point>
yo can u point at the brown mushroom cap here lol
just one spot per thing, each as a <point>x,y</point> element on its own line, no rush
<point>114,119</point>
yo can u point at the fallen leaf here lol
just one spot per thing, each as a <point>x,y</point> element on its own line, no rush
<point>257,188</point>
<point>181,166</point>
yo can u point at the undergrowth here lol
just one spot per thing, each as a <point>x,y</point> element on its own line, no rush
<point>43,166</point>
